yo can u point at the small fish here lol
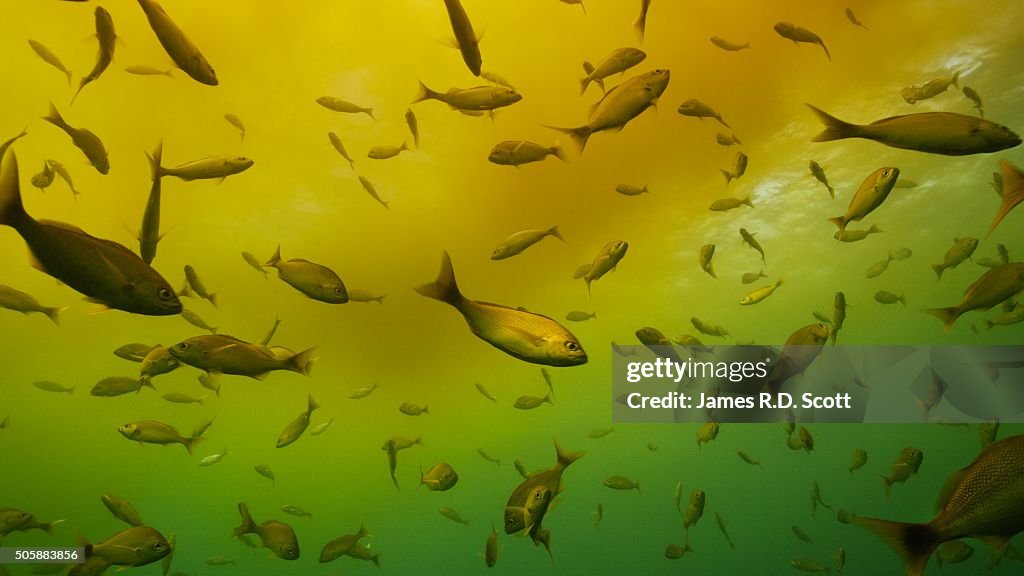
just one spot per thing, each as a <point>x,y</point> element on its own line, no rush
<point>886,297</point>
<point>520,468</point>
<point>1012,192</point>
<point>107,38</point>
<point>219,561</point>
<point>363,392</point>
<point>410,409</point>
<point>144,70</point>
<point>265,471</point>
<point>223,354</point>
<point>439,478</point>
<point>726,204</point>
<point>488,457</point>
<point>820,317</point>
<point>50,58</point>
<point>453,515</point>
<point>904,253</point>
<point>972,95</point>
<point>19,301</point>
<point>727,45</point>
<point>806,440</point>
<point>196,285</point>
<point>519,152</point>
<point>617,62</point>
<point>177,45</point>
<point>819,174</point>
<point>708,329</point>
<point>580,316</point>
<point>1014,316</point>
<point>693,343</point>
<point>624,352</point>
<point>751,277</point>
<point>135,546</point>
<point>749,459</point>
<point>601,432</point>
<point>807,565</point>
<point>209,168</point>
<point>943,133</point>
<point>816,498</point>
<point>179,398</point>
<point>992,288</point>
<point>316,281</point>
<point>707,252</point>
<point>157,362</point>
<point>83,139</point>
<point>849,235</point>
<point>210,383</point>
<point>906,465</point>
<point>858,460</point>
<point>801,534</point>
<point>476,99</point>
<point>694,510</point>
<point>871,194</point>
<point>697,109</point>
<point>278,537</point>
<point>749,240</point>
<point>372,191</point>
<point>853,19</point>
<point>62,171</point>
<point>621,483</point>
<point>630,190</point>
<point>386,152</point>
<point>44,179</point>
<point>760,294</point>
<point>721,528</point>
<point>520,241</point>
<point>531,402</point>
<point>295,511</point>
<point>838,314</point>
<point>496,79</point>
<point>797,34</point>
<point>640,24</point>
<point>344,106</point>
<point>342,546</point>
<point>340,147</point>
<point>727,140</point>
<point>237,123</point>
<point>321,428</point>
<point>153,432</point>
<point>931,89</point>
<point>523,335</point>
<point>254,262</point>
<point>547,380</point>
<point>213,458</point>
<point>607,260</point>
<point>707,432</point>
<point>122,509</point>
<point>195,320</point>
<point>466,39</point>
<point>987,432</point>
<point>201,429</point>
<point>598,516</point>
<point>839,560</point>
<point>675,551</point>
<point>953,552</point>
<point>118,386</point>
<point>491,548</point>
<point>297,427</point>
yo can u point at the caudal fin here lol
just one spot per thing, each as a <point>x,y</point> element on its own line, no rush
<point>1013,192</point>
<point>938,269</point>
<point>947,315</point>
<point>54,314</point>
<point>247,525</point>
<point>11,209</point>
<point>914,543</point>
<point>425,93</point>
<point>579,135</point>
<point>748,201</point>
<point>311,404</point>
<point>55,118</point>
<point>444,288</point>
<point>841,222</point>
<point>835,129</point>
<point>191,443</point>
<point>303,364</point>
<point>825,48</point>
<point>566,458</point>
<point>553,231</point>
<point>275,258</point>
<point>559,152</point>
<point>956,79</point>
<point>728,176</point>
<point>155,169</point>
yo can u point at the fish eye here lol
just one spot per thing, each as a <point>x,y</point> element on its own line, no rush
<point>339,290</point>
<point>183,346</point>
<point>164,294</point>
<point>572,346</point>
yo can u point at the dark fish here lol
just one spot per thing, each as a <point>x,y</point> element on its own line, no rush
<point>277,536</point>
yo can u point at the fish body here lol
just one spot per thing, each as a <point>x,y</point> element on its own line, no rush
<point>1011,189</point>
<point>223,354</point>
<point>314,280</point>
<point>254,262</point>
<point>797,34</point>
<point>697,109</point>
<point>50,58</point>
<point>362,392</point>
<point>336,104</point>
<point>210,168</point>
<point>108,39</point>
<point>528,502</point>
<point>19,301</point>
<point>154,432</point>
<point>727,45</point>
<point>465,37</point>
<point>197,286</point>
<point>342,546</point>
<point>476,99</point>
<point>943,133</point>
<point>531,402</point>
<point>726,204</point>
<point>182,51</point>
<point>372,191</point>
<point>739,167</point>
<point>47,386</point>
<point>930,89</point>
<point>707,433</point>
<point>621,483</point>
<point>992,288</point>
<point>520,241</point>
<point>386,152</point>
<point>143,70</point>
<point>414,127</point>
<point>853,20</point>
<point>62,171</point>
<point>340,148</point>
<point>519,152</point>
<point>84,139</point>
<point>213,458</point>
<point>886,297</point>
<point>529,337</point>
<point>607,260</point>
<point>44,179</point>
<point>751,277</point>
<point>149,232</point>
<point>871,194</point>
<point>277,536</point>
<point>819,174</point>
<point>135,546</point>
<point>707,252</point>
<point>118,386</point>
<point>158,361</point>
<point>122,509</point>
<point>410,409</point>
<point>760,294</point>
<point>453,515</point>
<point>617,62</point>
<point>629,190</point>
<point>620,105</point>
<point>694,509</point>
<point>237,123</point>
<point>749,240</point>
<point>876,269</point>
<point>440,478</point>
<point>580,316</point>
<point>849,235</point>
<point>972,95</point>
<point>640,24</point>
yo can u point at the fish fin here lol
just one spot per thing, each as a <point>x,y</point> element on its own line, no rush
<point>247,525</point>
<point>566,458</point>
<point>825,48</point>
<point>54,314</point>
<point>939,269</point>
<point>956,79</point>
<point>191,443</point>
<point>841,222</point>
<point>559,152</point>
<point>425,93</point>
<point>640,27</point>
<point>275,258</point>
<point>213,300</point>
<point>1012,194</point>
<point>949,487</point>
<point>914,543</point>
<point>311,404</point>
<point>948,315</point>
<point>54,117</point>
<point>445,287</point>
<point>12,212</point>
<point>155,169</point>
<point>728,176</point>
<point>579,135</point>
<point>835,129</point>
<point>303,364</point>
<point>553,231</point>
<point>369,112</point>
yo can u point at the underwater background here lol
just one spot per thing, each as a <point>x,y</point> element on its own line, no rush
<point>61,452</point>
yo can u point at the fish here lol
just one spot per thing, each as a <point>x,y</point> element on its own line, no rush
<point>547,380</point>
<point>466,39</point>
<point>858,460</point>
<point>107,38</point>
<point>19,301</point>
<point>849,235</point>
<point>871,194</point>
<point>254,262</point>
<point>620,105</point>
<point>657,342</point>
<point>237,123</point>
<point>739,167</point>
<point>607,260</point>
<point>724,139</point>
<point>49,57</point>
<point>708,329</point>
<point>201,429</point>
<point>853,19</point>
<point>321,428</point>
<point>410,409</point>
<point>476,99</point>
<point>801,534</point>
<point>640,24</point>
<point>361,552</point>
<point>972,95</point>
<point>707,252</point>
<point>144,70</point>
<point>342,546</point>
<point>876,269</point>
<point>992,288</point>
<point>316,281</point>
<point>135,546</point>
<point>693,343</point>
<point>277,536</point>
<point>340,148</point>
<point>83,139</point>
<point>213,458</point>
<point>62,171</point>
<point>694,510</point>
<point>154,432</point>
<point>296,511</point>
<point>106,272</point>
<point>904,253</point>
<point>886,297</point>
<point>707,433</point>
<point>196,284</point>
<point>942,133</point>
<point>820,317</point>
<point>149,233</point>
<point>601,432</point>
<point>118,386</point>
<point>182,51</point>
<point>219,561</point>
<point>386,152</point>
<point>519,152</point>
<point>265,471</point>
<point>987,431</point>
<point>675,551</point>
<point>621,483</point>
<point>983,499</point>
<point>797,34</point>
<point>223,354</point>
<point>751,277</point>
<point>580,316</point>
<point>1012,192</point>
<point>531,402</point>
<point>209,168</point>
<point>930,89</point>
<point>44,179</point>
<point>726,204</point>
<point>617,62</point>
<point>441,477</point>
<point>906,465</point>
<point>158,361</point>
<point>453,515</point>
<point>529,337</point>
<point>297,427</point>
<point>179,398</point>
<point>816,498</point>
<point>520,241</point>
<point>363,392</point>
<point>336,104</point>
<point>727,45</point>
<point>195,320</point>
<point>801,349</point>
<point>122,509</point>
<point>749,459</point>
<point>1014,316</point>
<point>819,174</point>
<point>357,295</point>
<point>529,501</point>
<point>838,315</point>
<point>372,191</point>
<point>807,565</point>
<point>697,109</point>
<point>521,468</point>
<point>760,294</point>
<point>953,552</point>
<point>630,190</point>
<point>749,240</point>
<point>494,78</point>
<point>624,351</point>
<point>488,457</point>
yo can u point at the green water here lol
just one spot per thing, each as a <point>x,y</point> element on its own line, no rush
<point>60,453</point>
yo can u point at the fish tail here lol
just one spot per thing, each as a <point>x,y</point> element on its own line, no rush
<point>874,229</point>
<point>833,335</point>
<point>835,129</point>
<point>369,112</point>
<point>841,222</point>
<point>825,48</point>
<point>913,542</point>
<point>559,152</point>
<point>445,287</point>
<point>1010,202</point>
<point>303,363</point>
<point>748,201</point>
<point>54,117</point>
<point>247,525</point>
<point>375,559</point>
<point>638,488</point>
<point>728,176</point>
<point>425,93</point>
<point>213,300</point>
<point>12,211</point>
<point>956,79</point>
<point>191,443</point>
<point>585,81</point>
<point>947,315</point>
<point>48,526</point>
<point>724,123</point>
<point>747,45</point>
<point>831,191</point>
<point>311,405</point>
<point>640,26</point>
<point>939,269</point>
<point>155,169</point>
<point>275,258</point>
<point>147,382</point>
<point>553,231</point>
<point>579,135</point>
<point>54,314</point>
<point>903,300</point>
<point>566,458</point>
